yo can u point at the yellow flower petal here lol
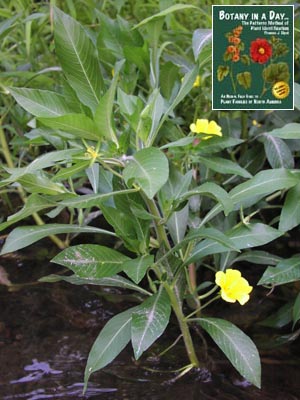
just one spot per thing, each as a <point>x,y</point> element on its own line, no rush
<point>193,128</point>
<point>220,278</point>
<point>214,129</point>
<point>203,126</point>
<point>197,81</point>
<point>226,297</point>
<point>233,286</point>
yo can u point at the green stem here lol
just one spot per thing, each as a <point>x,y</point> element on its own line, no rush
<point>177,307</point>
<point>160,230</point>
<point>174,300</point>
<point>232,80</point>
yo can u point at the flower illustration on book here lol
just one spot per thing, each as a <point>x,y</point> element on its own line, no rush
<point>260,51</point>
<point>233,55</point>
<point>276,75</point>
<point>265,52</point>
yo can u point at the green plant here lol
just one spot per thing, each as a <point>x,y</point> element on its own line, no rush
<point>177,201</point>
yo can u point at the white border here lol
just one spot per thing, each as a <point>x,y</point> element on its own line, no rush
<point>212,64</point>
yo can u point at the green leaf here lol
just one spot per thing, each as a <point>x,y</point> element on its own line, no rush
<point>238,347</point>
<point>149,168</point>
<point>34,203</point>
<point>297,95</point>
<point>290,213</point>
<point>78,125</point>
<point>91,260</point>
<point>296,310</point>
<point>25,235</point>
<point>93,173</point>
<point>78,59</point>
<point>216,144</point>
<point>177,224</point>
<point>215,191</point>
<point>149,321</point>
<point>257,257</point>
<point>104,112</point>
<point>92,200</point>
<point>44,161</point>
<point>137,268</point>
<point>7,25</point>
<point>163,13</point>
<point>278,153</point>
<point>288,131</point>
<point>114,281</point>
<point>243,237</point>
<point>224,166</point>
<point>285,271</point>
<point>201,37</point>
<point>178,143</point>
<point>280,318</point>
<point>185,88</point>
<point>40,183</point>
<point>262,184</point>
<point>111,341</point>
<point>68,172</point>
<point>41,103</point>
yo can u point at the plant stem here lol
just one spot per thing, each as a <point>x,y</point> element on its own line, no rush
<point>177,307</point>
<point>38,220</point>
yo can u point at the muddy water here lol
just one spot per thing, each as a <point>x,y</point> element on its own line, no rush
<point>46,332</point>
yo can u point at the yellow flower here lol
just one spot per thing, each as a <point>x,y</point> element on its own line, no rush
<point>91,153</point>
<point>233,286</point>
<point>206,127</point>
<point>197,81</point>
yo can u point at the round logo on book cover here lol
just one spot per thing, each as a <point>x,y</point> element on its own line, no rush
<point>281,90</point>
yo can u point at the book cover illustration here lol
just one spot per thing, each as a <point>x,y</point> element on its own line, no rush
<point>253,57</point>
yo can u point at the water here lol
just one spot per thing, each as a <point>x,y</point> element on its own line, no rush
<point>46,331</point>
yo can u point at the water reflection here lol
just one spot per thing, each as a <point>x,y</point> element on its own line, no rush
<point>73,391</point>
<point>39,370</point>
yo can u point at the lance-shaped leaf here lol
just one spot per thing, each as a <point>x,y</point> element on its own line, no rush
<point>296,310</point>
<point>34,203</point>
<point>213,190</point>
<point>41,103</point>
<point>262,184</point>
<point>278,153</point>
<point>224,166</point>
<point>25,235</point>
<point>111,341</point>
<point>243,237</point>
<point>137,268</point>
<point>92,200</point>
<point>149,169</point>
<point>40,183</point>
<point>290,213</point>
<point>149,321</point>
<point>44,161</point>
<point>288,131</point>
<point>236,345</point>
<point>201,37</point>
<point>113,281</point>
<point>285,271</point>
<point>78,125</point>
<point>104,111</point>
<point>169,10</point>
<point>91,260</point>
<point>77,56</point>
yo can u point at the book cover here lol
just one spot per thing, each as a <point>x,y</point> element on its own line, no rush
<point>253,57</point>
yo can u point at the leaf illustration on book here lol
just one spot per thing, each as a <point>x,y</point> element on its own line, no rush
<point>244,79</point>
<point>222,72</point>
